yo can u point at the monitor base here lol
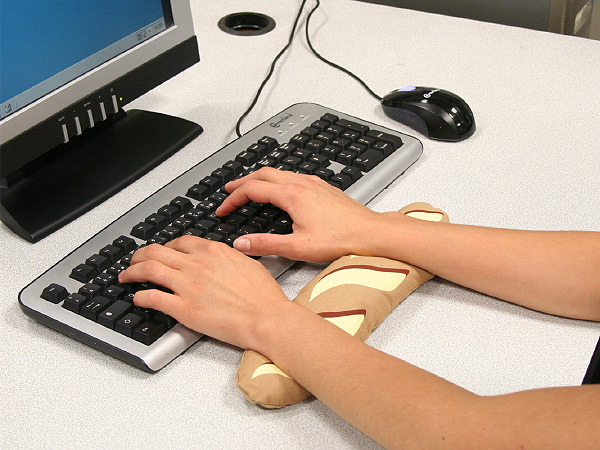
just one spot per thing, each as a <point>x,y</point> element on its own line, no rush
<point>89,170</point>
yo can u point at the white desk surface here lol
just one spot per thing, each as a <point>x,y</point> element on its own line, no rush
<point>532,164</point>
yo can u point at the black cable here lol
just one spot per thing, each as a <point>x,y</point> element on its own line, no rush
<point>283,50</point>
<point>332,64</point>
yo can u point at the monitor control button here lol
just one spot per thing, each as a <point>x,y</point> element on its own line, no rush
<point>102,111</point>
<point>91,117</point>
<point>78,126</point>
<point>65,133</point>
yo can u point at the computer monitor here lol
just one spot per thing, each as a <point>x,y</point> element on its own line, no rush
<point>66,71</point>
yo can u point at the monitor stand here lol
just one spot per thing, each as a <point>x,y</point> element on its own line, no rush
<point>90,169</point>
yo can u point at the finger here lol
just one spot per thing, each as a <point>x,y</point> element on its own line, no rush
<point>154,272</point>
<point>253,190</point>
<point>161,301</point>
<point>161,253</point>
<point>261,244</point>
<point>269,174</point>
<point>187,244</point>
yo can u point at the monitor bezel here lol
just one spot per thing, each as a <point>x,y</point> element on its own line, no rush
<point>53,103</point>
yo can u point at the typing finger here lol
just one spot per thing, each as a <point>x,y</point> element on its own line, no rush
<point>254,190</point>
<point>161,253</point>
<point>154,272</point>
<point>169,304</point>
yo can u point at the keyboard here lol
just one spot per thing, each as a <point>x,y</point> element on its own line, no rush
<point>80,295</point>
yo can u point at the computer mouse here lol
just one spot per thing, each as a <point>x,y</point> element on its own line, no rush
<point>435,113</point>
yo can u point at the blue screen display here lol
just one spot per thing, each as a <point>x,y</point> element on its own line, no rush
<point>57,40</point>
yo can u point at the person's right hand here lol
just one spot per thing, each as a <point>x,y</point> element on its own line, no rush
<point>328,224</point>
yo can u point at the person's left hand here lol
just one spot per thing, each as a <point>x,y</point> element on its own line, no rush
<point>217,290</point>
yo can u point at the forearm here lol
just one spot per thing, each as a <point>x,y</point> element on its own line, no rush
<point>554,272</point>
<point>402,406</point>
<point>388,399</point>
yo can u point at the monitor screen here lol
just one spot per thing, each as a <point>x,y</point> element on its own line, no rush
<point>67,69</point>
<point>37,33</point>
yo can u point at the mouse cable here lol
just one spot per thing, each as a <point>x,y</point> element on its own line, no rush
<point>271,70</point>
<point>332,64</point>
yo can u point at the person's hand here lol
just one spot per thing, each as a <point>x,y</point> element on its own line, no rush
<point>328,224</point>
<point>216,290</point>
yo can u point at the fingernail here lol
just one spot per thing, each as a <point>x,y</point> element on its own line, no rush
<point>242,245</point>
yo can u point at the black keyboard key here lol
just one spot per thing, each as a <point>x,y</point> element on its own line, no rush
<point>324,174</point>
<point>299,140</point>
<point>171,232</point>
<point>346,157</point>
<point>83,273</point>
<point>224,229</point>
<point>303,154</point>
<point>198,192</point>
<point>158,221</point>
<point>341,143</point>
<point>258,149</point>
<point>287,148</point>
<point>112,253</point>
<point>195,214</point>
<point>310,132</point>
<point>223,175</point>
<point>384,147</point>
<point>235,167</point>
<point>113,313</point>
<point>293,162</point>
<point>54,293</point>
<point>368,160</point>
<point>308,168</point>
<point>341,181</point>
<point>247,229</point>
<point>259,223</point>
<point>214,184</point>
<point>158,239</point>
<point>128,324</point>
<point>92,309</point>
<point>214,237</point>
<point>125,243</point>
<point>247,158</point>
<point>165,319</point>
<point>148,332</point>
<point>90,290</point>
<point>330,152</point>
<point>320,160</point>
<point>183,224</point>
<point>104,280</point>
<point>277,156</point>
<point>193,232</point>
<point>335,130</point>
<point>353,126</point>
<point>269,142</point>
<point>98,262</point>
<point>182,203</point>
<point>330,118</point>
<point>353,172</point>
<point>229,240</point>
<point>205,226</point>
<point>114,293</point>
<point>381,136</point>
<point>143,231</point>
<point>351,136</point>
<point>283,225</point>
<point>320,124</point>
<point>265,162</point>
<point>170,212</point>
<point>74,302</point>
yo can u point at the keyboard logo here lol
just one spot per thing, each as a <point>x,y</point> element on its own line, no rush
<point>278,123</point>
